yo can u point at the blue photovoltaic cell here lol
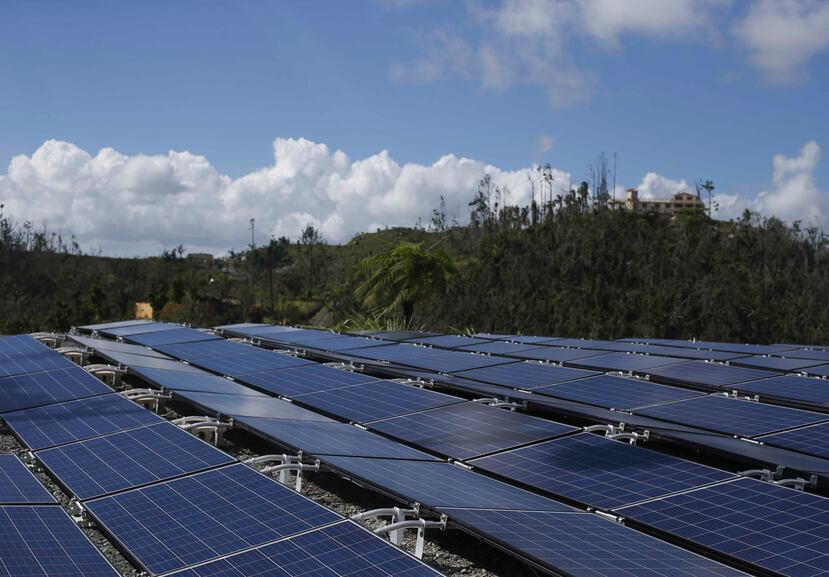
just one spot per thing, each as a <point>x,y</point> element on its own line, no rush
<point>139,329</point>
<point>705,374</point>
<point>774,363</point>
<point>46,542</point>
<point>401,335</point>
<point>448,341</point>
<point>246,406</point>
<point>199,382</point>
<point>304,379</point>
<point>376,400</point>
<point>812,354</point>
<point>255,361</point>
<point>525,375</point>
<point>182,335</point>
<point>341,343</point>
<point>62,423</point>
<point>237,326</point>
<point>38,389</point>
<point>775,528</point>
<point>732,416</point>
<point>341,550</point>
<point>500,348</point>
<point>18,485</point>
<point>22,345</point>
<point>599,472</point>
<point>452,361</point>
<point>12,364</point>
<point>170,525</point>
<point>135,362</point>
<point>820,370</point>
<point>624,362</point>
<point>579,343</point>
<point>438,484</point>
<point>555,354</point>
<point>613,392</point>
<point>129,459</point>
<point>205,349</point>
<point>682,353</point>
<point>795,388</point>
<point>395,353</point>
<point>115,346</point>
<point>468,430</point>
<point>813,440</point>
<point>114,325</point>
<point>585,545</point>
<point>329,438</point>
<point>743,348</point>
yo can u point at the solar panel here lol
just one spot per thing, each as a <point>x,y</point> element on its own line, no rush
<point>773,528</point>
<point>61,423</point>
<point>709,375</point>
<point>12,364</point>
<point>115,346</point>
<point>525,375</point>
<point>129,459</point>
<point>580,343</point>
<point>599,472</point>
<point>114,325</point>
<point>181,335</point>
<point>299,337</point>
<point>341,550</point>
<point>743,348</point>
<point>18,485</point>
<point>236,326</point>
<point>813,354</point>
<point>820,370</point>
<point>790,388</point>
<point>171,525</point>
<point>21,345</point>
<point>468,430</point>
<point>774,363</point>
<point>448,341</point>
<point>684,353</point>
<point>437,484</point>
<point>452,361</point>
<point>46,542</point>
<point>400,335</point>
<point>329,438</point>
<point>38,389</point>
<point>139,329</point>
<point>200,382</point>
<point>624,362</point>
<point>245,406</point>
<point>555,354</point>
<point>341,343</point>
<point>205,349</point>
<point>732,416</point>
<point>136,362</point>
<point>812,440</point>
<point>612,392</point>
<point>585,545</point>
<point>375,400</point>
<point>304,379</point>
<point>498,348</point>
<point>255,361</point>
<point>526,339</point>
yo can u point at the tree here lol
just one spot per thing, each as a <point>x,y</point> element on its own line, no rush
<point>275,253</point>
<point>312,252</point>
<point>403,275</point>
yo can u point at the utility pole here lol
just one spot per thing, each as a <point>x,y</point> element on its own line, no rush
<point>708,185</point>
<point>253,256</point>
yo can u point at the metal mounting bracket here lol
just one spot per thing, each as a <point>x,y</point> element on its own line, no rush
<point>631,437</point>
<point>762,474</point>
<point>501,403</point>
<point>209,429</point>
<point>49,339</point>
<point>75,354</point>
<point>399,523</point>
<point>149,398</point>
<point>285,465</point>
<point>110,374</point>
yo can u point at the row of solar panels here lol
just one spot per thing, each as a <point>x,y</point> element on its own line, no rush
<point>543,530</point>
<point>757,499</point>
<point>774,425</point>
<point>172,503</point>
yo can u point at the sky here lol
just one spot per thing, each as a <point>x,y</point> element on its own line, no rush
<point>140,126</point>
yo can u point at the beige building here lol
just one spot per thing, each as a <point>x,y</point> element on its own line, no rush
<point>666,207</point>
<point>144,311</point>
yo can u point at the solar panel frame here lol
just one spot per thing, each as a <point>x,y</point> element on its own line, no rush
<point>375,400</point>
<point>129,459</point>
<point>781,364</point>
<point>732,416</point>
<point>174,336</point>
<point>246,406</point>
<point>819,370</point>
<point>139,329</point>
<point>804,353</point>
<point>18,486</point>
<point>448,341</point>
<point>790,389</point>
<point>43,541</point>
<point>625,362</point>
<point>136,362</point>
<point>773,528</point>
<point>581,544</point>
<point>555,354</point>
<point>116,346</point>
<point>525,375</point>
<point>710,376</point>
<point>48,387</point>
<point>663,350</point>
<point>114,325</point>
<point>499,348</point>
<point>171,525</point>
<point>61,423</point>
<point>468,430</point>
<point>616,392</point>
<point>256,361</point>
<point>305,379</point>
<point>811,440</point>
<point>197,382</point>
<point>213,348</point>
<point>340,550</point>
<point>341,344</point>
<point>598,472</point>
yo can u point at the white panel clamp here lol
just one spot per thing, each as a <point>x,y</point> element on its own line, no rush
<point>209,429</point>
<point>149,398</point>
<point>501,403</point>
<point>631,437</point>
<point>606,429</point>
<point>285,465</point>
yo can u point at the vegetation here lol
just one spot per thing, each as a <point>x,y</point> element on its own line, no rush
<point>565,265</point>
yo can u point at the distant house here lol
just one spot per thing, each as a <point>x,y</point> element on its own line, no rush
<point>664,207</point>
<point>144,311</point>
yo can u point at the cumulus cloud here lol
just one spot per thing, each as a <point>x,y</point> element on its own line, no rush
<point>543,144</point>
<point>781,36</point>
<point>655,185</point>
<point>136,204</point>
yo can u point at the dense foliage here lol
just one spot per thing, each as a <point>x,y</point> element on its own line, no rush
<point>564,266</point>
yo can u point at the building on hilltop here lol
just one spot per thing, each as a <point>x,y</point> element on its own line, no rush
<point>662,207</point>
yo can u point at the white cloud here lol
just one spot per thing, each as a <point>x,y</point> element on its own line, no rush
<point>794,194</point>
<point>543,144</point>
<point>135,205</point>
<point>654,185</point>
<point>781,36</point>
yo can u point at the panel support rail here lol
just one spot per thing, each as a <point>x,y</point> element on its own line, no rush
<point>776,477</point>
<point>110,374</point>
<point>399,523</point>
<point>501,404</point>
<point>207,428</point>
<point>285,465</point>
<point>149,398</point>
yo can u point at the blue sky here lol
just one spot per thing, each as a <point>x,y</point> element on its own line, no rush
<point>693,88</point>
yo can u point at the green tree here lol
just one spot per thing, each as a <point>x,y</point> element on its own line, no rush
<point>403,275</point>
